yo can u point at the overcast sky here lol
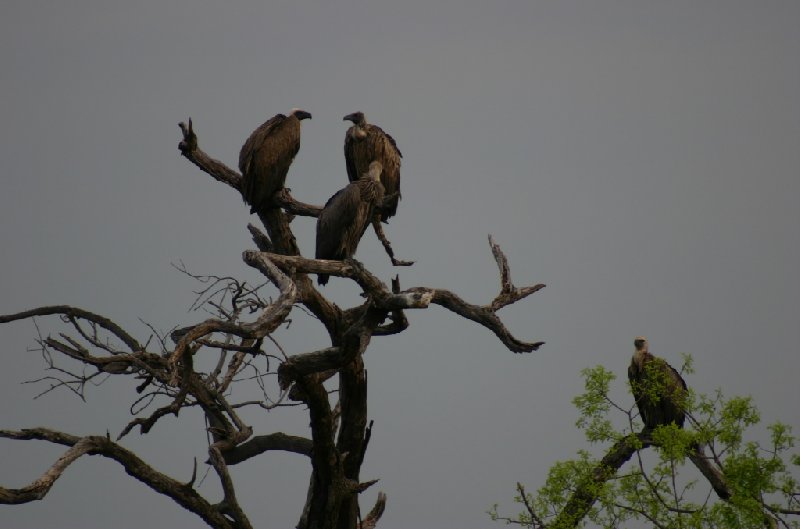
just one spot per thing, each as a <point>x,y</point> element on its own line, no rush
<point>640,158</point>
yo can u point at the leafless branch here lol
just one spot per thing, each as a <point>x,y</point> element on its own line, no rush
<point>387,246</point>
<point>264,443</point>
<point>374,515</point>
<point>75,312</point>
<point>230,505</point>
<point>187,497</point>
<point>216,169</point>
<point>508,292</point>
<point>417,297</point>
<point>284,199</point>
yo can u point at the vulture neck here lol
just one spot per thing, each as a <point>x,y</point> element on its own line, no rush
<point>358,132</point>
<point>639,357</point>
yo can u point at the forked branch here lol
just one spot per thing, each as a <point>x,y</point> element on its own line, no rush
<point>588,491</point>
<point>185,496</point>
<point>422,297</point>
<point>218,170</point>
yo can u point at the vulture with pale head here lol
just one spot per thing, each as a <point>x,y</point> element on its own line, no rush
<point>658,388</point>
<point>346,216</point>
<point>365,143</point>
<point>266,156</point>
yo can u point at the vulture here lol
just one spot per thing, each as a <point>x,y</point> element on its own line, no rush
<point>266,156</point>
<point>346,216</point>
<point>363,144</point>
<point>658,388</point>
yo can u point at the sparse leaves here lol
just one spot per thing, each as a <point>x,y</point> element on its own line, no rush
<point>594,405</point>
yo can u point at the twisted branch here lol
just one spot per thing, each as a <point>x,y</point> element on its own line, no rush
<point>185,496</point>
<point>74,312</point>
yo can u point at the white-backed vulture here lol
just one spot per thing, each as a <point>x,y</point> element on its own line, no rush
<point>363,144</point>
<point>266,156</point>
<point>659,390</point>
<point>346,216</point>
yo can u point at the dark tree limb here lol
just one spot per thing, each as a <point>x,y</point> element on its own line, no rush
<point>269,320</point>
<point>711,472</point>
<point>230,505</point>
<point>478,314</point>
<point>184,495</point>
<point>387,246</point>
<point>588,491</point>
<point>260,239</point>
<point>264,443</point>
<point>145,424</point>
<point>417,297</point>
<point>283,199</point>
<point>353,343</point>
<point>374,515</point>
<point>74,312</point>
<point>216,169</point>
<point>508,292</point>
<point>399,322</point>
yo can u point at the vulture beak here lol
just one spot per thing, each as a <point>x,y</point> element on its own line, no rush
<point>355,117</point>
<point>302,114</point>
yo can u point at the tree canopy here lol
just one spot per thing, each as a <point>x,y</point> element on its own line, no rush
<point>721,471</point>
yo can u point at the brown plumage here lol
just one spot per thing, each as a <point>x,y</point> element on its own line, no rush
<point>659,390</point>
<point>363,144</point>
<point>346,216</point>
<point>266,156</point>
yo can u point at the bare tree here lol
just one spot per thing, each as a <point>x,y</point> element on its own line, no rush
<point>242,320</point>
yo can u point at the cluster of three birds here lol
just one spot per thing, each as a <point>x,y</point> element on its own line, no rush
<point>373,168</point>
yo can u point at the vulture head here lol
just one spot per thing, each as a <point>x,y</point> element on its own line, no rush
<point>300,114</point>
<point>356,117</point>
<point>640,343</point>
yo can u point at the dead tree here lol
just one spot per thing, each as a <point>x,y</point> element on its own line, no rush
<point>170,381</point>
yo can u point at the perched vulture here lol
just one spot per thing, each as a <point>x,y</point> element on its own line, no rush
<point>365,143</point>
<point>659,390</point>
<point>346,216</point>
<point>266,156</point>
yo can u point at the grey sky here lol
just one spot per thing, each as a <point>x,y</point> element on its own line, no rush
<point>640,158</point>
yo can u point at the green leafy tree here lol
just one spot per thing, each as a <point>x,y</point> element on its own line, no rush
<point>712,474</point>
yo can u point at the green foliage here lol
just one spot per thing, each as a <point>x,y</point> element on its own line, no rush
<point>661,486</point>
<point>594,405</point>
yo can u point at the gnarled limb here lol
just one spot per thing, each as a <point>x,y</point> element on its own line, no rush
<point>374,515</point>
<point>478,314</point>
<point>508,292</point>
<point>192,152</point>
<point>74,312</point>
<point>269,319</point>
<point>185,496</point>
<point>229,505</point>
<point>376,226</point>
<point>421,297</point>
<point>283,199</point>
<point>265,443</point>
